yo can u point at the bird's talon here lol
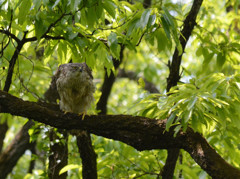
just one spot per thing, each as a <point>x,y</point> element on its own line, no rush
<point>83,115</point>
<point>65,112</point>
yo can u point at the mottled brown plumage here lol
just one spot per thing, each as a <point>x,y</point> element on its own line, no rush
<point>75,87</point>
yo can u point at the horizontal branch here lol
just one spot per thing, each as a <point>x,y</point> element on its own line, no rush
<point>140,132</point>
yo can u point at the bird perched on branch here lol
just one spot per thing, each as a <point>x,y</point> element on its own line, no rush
<point>74,82</point>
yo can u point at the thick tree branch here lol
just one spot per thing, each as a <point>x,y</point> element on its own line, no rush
<point>139,132</point>
<point>59,154</point>
<point>15,150</point>
<point>169,167</point>
<point>3,131</point>
<point>88,155</point>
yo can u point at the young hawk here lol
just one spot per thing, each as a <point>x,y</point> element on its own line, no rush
<point>74,82</point>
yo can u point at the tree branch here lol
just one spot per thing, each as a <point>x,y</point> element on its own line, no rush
<point>169,167</point>
<point>139,132</point>
<point>11,67</point>
<point>3,131</point>
<point>188,26</point>
<point>8,33</point>
<point>88,155</point>
<point>108,84</point>
<point>59,154</point>
<point>15,150</point>
<point>133,76</point>
<point>174,75</point>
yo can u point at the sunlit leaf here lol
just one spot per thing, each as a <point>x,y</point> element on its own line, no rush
<point>170,120</point>
<point>68,167</point>
<point>145,18</point>
<point>109,6</point>
<point>23,10</point>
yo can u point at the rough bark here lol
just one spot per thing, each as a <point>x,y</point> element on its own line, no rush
<point>15,150</point>
<point>59,157</point>
<point>33,152</point>
<point>139,132</point>
<point>3,130</point>
<point>169,167</point>
<point>87,155</point>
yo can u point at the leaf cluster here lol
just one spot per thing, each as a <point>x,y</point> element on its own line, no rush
<point>206,103</point>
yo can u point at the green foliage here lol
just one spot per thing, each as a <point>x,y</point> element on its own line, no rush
<point>214,99</point>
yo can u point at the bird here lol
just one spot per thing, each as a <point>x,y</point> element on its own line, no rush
<point>74,83</point>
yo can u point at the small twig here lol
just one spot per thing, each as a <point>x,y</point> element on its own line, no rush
<point>146,173</point>
<point>141,38</point>
<point>4,47</point>
<point>10,35</point>
<point>54,23</point>
<point>112,28</point>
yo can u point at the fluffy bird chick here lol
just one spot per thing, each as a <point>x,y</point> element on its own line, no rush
<point>75,87</point>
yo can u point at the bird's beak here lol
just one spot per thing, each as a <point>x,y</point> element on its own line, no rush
<point>81,69</point>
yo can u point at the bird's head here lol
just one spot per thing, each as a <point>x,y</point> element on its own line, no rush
<point>76,71</point>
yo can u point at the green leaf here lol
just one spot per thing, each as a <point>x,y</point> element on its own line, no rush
<point>131,27</point>
<point>145,18</point>
<point>23,11</point>
<point>72,36</point>
<point>141,82</point>
<point>192,103</point>
<point>167,16</point>
<point>176,130</point>
<point>82,43</point>
<point>74,4</point>
<point>162,41</point>
<point>40,28</point>
<point>113,44</point>
<point>109,6</point>
<point>195,122</point>
<point>221,58</point>
<point>207,59</point>
<point>62,52</point>
<point>99,10</point>
<point>170,27</point>
<point>68,167</point>
<point>37,4</point>
<point>187,115</point>
<point>91,16</point>
<point>55,4</point>
<point>170,120</point>
<point>199,51</point>
<point>151,21</point>
<point>166,28</point>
